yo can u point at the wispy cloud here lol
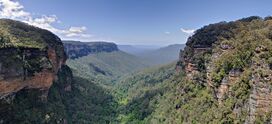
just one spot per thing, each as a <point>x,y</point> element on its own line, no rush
<point>14,10</point>
<point>187,31</point>
<point>167,32</point>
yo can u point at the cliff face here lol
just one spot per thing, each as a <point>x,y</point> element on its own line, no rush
<point>76,49</point>
<point>231,60</point>
<point>31,64</point>
<point>34,79</point>
<point>43,106</point>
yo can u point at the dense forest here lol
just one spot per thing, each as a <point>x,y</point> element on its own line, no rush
<point>223,75</point>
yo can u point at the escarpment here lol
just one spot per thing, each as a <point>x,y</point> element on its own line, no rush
<point>232,61</point>
<point>30,57</point>
<point>34,80</point>
<point>76,49</point>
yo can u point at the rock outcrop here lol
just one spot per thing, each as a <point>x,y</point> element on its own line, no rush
<point>234,60</point>
<point>76,49</point>
<point>260,99</point>
<point>30,58</point>
<point>34,80</point>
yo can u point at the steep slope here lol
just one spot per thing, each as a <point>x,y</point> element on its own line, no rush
<point>230,66</point>
<point>100,62</point>
<point>29,64</point>
<point>224,76</point>
<point>28,54</point>
<point>36,85</point>
<point>28,61</point>
<point>105,67</point>
<point>141,93</point>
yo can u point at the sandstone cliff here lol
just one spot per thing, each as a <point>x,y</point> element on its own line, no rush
<point>76,49</point>
<point>232,61</point>
<point>30,57</point>
<point>33,76</point>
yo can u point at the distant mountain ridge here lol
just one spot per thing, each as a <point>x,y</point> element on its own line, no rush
<point>154,55</point>
<point>105,67</point>
<point>131,49</point>
<point>137,49</point>
<point>76,49</point>
<point>163,55</point>
<point>102,62</point>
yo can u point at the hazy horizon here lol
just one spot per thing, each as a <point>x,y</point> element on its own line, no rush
<point>152,22</point>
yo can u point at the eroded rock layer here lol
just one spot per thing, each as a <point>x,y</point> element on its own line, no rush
<point>232,60</point>
<point>30,57</point>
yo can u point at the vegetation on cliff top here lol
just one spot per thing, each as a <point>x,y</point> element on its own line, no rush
<point>19,34</point>
<point>232,53</point>
<point>161,95</point>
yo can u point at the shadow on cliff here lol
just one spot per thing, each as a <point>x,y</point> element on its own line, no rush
<point>70,100</point>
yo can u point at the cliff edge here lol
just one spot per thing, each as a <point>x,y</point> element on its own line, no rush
<point>231,61</point>
<point>30,57</point>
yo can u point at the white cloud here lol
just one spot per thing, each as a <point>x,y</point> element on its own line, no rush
<point>77,29</point>
<point>14,10</point>
<point>187,31</point>
<point>167,32</point>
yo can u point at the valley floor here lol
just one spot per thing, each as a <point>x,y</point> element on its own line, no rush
<point>135,98</point>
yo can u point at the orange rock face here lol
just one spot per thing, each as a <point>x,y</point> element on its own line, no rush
<point>42,80</point>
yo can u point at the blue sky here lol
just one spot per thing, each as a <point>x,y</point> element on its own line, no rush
<point>149,22</point>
